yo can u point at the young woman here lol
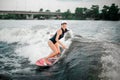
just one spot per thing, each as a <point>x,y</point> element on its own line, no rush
<point>54,42</point>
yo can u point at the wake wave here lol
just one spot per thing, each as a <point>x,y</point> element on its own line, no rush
<point>111,61</point>
<point>90,58</point>
<point>32,42</point>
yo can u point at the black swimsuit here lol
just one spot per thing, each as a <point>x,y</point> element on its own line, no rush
<point>61,36</point>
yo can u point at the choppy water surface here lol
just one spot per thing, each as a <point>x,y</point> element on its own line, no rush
<point>93,53</point>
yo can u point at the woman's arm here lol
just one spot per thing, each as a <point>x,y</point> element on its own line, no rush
<point>59,32</point>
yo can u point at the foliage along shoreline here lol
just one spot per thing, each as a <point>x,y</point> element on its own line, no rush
<point>111,13</point>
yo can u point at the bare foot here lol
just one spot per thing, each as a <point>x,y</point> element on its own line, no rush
<point>48,62</point>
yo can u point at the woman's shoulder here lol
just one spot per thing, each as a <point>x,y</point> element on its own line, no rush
<point>59,31</point>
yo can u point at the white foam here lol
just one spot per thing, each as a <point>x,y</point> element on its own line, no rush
<point>111,62</point>
<point>33,42</point>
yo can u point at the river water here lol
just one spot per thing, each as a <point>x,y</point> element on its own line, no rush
<point>93,50</point>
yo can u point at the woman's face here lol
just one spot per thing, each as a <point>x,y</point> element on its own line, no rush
<point>64,25</point>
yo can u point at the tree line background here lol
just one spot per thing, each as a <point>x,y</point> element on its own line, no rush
<point>107,13</point>
<point>94,13</point>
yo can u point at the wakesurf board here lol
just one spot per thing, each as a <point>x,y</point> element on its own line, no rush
<point>42,64</point>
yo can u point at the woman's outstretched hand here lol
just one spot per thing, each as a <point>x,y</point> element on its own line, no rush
<point>64,47</point>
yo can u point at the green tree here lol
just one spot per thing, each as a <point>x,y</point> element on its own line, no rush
<point>67,14</point>
<point>104,14</point>
<point>88,13</point>
<point>113,12</point>
<point>41,10</point>
<point>110,13</point>
<point>94,11</point>
<point>80,13</point>
<point>47,10</point>
<point>11,16</point>
<point>58,10</point>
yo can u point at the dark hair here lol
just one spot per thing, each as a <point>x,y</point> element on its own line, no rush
<point>66,30</point>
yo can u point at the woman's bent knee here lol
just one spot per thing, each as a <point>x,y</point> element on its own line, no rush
<point>56,52</point>
<point>49,42</point>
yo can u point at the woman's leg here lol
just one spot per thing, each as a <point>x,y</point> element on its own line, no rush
<point>58,47</point>
<point>54,49</point>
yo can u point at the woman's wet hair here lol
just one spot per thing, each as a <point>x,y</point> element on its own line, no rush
<point>66,30</point>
